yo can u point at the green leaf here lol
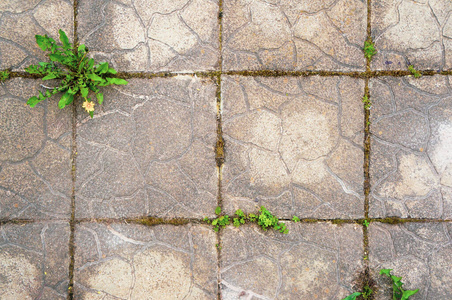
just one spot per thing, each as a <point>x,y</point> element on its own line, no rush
<point>112,71</point>
<point>117,81</point>
<point>102,68</point>
<point>94,77</point>
<point>42,42</point>
<point>33,101</point>
<point>64,39</point>
<point>386,272</point>
<point>218,210</point>
<point>100,98</point>
<point>58,57</point>
<point>66,99</point>
<point>90,63</point>
<point>81,48</point>
<point>407,294</point>
<point>91,114</point>
<point>84,91</point>
<point>352,296</point>
<point>50,76</point>
<point>214,222</point>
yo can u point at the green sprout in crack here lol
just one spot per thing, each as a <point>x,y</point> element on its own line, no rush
<point>369,49</point>
<point>398,293</point>
<point>4,75</point>
<point>80,75</point>
<point>264,219</point>
<point>367,103</point>
<point>413,71</point>
<point>366,223</point>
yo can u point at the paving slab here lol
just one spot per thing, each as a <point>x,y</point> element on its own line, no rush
<point>127,261</point>
<point>418,252</point>
<point>21,20</point>
<point>412,32</point>
<point>169,35</point>
<point>411,161</point>
<point>294,145</point>
<point>313,261</point>
<point>34,260</point>
<point>150,150</point>
<point>35,148</point>
<point>294,35</point>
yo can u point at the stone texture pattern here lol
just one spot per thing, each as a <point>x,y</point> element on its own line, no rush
<point>21,20</point>
<point>411,160</point>
<point>294,35</point>
<point>293,145</point>
<point>149,151</point>
<point>313,261</point>
<point>419,252</point>
<point>125,261</point>
<point>34,261</point>
<point>35,165</point>
<point>412,32</point>
<point>169,35</point>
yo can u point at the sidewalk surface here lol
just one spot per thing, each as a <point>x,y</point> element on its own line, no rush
<point>237,104</point>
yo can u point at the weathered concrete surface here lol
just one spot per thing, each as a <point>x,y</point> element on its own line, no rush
<point>412,32</point>
<point>169,35</point>
<point>313,261</point>
<point>411,161</point>
<point>35,166</point>
<point>294,35</point>
<point>149,151</point>
<point>21,20</point>
<point>294,146</point>
<point>123,261</point>
<point>34,261</point>
<point>419,252</point>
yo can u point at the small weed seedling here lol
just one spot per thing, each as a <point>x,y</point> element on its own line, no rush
<point>369,49</point>
<point>79,73</point>
<point>4,75</point>
<point>367,103</point>
<point>352,296</point>
<point>366,223</point>
<point>398,293</point>
<point>264,219</point>
<point>296,219</point>
<point>413,71</point>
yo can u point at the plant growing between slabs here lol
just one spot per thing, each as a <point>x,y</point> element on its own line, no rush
<point>80,74</point>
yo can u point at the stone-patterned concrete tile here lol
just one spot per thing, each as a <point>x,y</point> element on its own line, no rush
<point>149,151</point>
<point>21,20</point>
<point>34,261</point>
<point>294,35</point>
<point>127,261</point>
<point>411,161</point>
<point>419,252</point>
<point>294,145</point>
<point>314,261</point>
<point>169,35</point>
<point>412,32</point>
<point>35,165</point>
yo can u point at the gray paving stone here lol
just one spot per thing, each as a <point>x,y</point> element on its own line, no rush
<point>21,20</point>
<point>294,145</point>
<point>294,35</point>
<point>412,32</point>
<point>149,151</point>
<point>411,161</point>
<point>419,252</point>
<point>170,35</point>
<point>34,261</point>
<point>35,165</point>
<point>126,261</point>
<point>313,261</point>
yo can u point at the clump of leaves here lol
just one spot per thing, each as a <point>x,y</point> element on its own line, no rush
<point>367,103</point>
<point>79,74</point>
<point>264,219</point>
<point>398,293</point>
<point>295,219</point>
<point>4,75</point>
<point>413,71</point>
<point>369,49</point>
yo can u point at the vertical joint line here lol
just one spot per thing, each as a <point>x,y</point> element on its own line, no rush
<point>70,295</point>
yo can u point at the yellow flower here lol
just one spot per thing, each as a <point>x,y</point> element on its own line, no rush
<point>88,105</point>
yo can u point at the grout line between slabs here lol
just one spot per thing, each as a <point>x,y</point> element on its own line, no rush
<point>72,222</point>
<point>219,150</point>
